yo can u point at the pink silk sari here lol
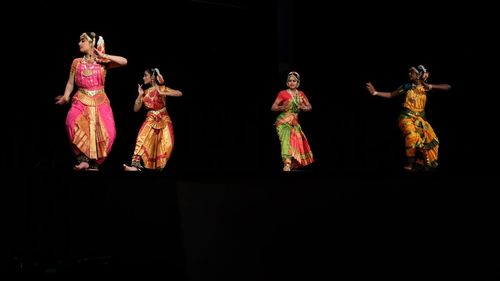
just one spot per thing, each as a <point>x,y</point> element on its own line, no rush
<point>90,122</point>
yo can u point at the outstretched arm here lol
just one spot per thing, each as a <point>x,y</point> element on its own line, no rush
<point>387,95</point>
<point>169,92</point>
<point>441,87</point>
<point>115,61</point>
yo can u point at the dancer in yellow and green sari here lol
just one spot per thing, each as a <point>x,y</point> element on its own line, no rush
<point>420,140</point>
<point>295,150</point>
<point>155,140</point>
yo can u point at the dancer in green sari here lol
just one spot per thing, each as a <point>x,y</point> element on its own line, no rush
<point>295,150</point>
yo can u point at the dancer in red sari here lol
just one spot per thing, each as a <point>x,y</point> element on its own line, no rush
<point>155,140</point>
<point>90,122</point>
<point>295,150</point>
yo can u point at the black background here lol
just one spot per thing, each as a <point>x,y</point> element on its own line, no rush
<point>352,214</point>
<point>230,58</point>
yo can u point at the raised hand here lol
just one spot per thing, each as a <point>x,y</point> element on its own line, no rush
<point>140,90</point>
<point>370,88</point>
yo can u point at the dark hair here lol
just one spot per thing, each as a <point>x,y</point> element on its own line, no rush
<point>155,73</point>
<point>294,74</point>
<point>421,71</point>
<point>89,35</point>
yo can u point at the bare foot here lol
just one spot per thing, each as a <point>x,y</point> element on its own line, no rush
<point>408,168</point>
<point>287,168</point>
<point>81,166</point>
<point>130,168</point>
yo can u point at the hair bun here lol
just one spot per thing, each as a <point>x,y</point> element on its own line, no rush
<point>421,68</point>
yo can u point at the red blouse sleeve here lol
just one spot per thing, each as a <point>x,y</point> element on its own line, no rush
<point>283,95</point>
<point>304,96</point>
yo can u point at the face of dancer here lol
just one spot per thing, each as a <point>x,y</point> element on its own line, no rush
<point>85,46</point>
<point>147,78</point>
<point>413,74</point>
<point>292,82</point>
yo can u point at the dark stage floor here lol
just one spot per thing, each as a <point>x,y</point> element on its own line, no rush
<point>253,227</point>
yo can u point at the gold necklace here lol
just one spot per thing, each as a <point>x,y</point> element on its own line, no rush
<point>87,71</point>
<point>295,95</point>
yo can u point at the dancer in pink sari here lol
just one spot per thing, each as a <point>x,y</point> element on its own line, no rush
<point>295,150</point>
<point>90,122</point>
